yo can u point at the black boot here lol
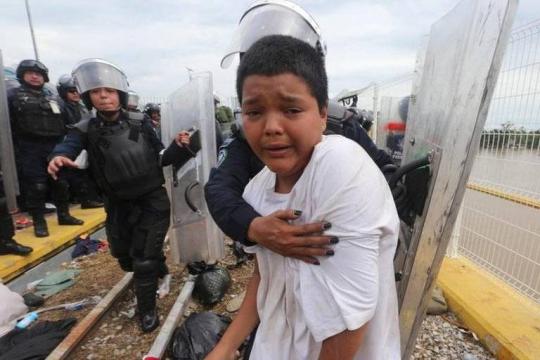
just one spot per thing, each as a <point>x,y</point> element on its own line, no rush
<point>12,247</point>
<point>87,195</point>
<point>35,201</point>
<point>61,198</point>
<point>145,291</point>
<point>65,218</point>
<point>40,225</point>
<point>7,231</point>
<point>145,283</point>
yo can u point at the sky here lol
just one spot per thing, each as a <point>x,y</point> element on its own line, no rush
<point>154,42</point>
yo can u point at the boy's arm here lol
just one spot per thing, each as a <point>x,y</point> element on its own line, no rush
<point>344,345</point>
<point>242,325</point>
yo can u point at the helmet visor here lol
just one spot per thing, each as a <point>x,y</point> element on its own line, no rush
<point>96,73</point>
<point>133,99</point>
<point>66,81</point>
<point>269,19</point>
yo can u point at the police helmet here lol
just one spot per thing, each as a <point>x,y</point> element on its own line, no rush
<point>95,73</point>
<point>65,83</point>
<point>34,65</point>
<point>151,108</point>
<point>273,17</point>
<point>133,100</point>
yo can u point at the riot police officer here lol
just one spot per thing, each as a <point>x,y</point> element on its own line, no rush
<point>81,185</point>
<point>237,164</point>
<point>154,113</point>
<point>7,244</point>
<point>125,158</point>
<point>133,101</point>
<point>38,125</point>
<point>73,109</point>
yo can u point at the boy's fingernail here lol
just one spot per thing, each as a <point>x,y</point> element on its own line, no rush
<point>297,212</point>
<point>326,225</point>
<point>330,252</point>
<point>316,262</point>
<point>334,240</point>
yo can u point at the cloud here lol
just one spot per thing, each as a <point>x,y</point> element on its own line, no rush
<point>155,41</point>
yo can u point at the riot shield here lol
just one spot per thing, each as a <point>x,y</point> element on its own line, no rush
<point>446,117</point>
<point>7,156</point>
<point>391,128</point>
<point>193,234</point>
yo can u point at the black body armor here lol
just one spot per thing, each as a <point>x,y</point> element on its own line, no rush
<point>37,114</point>
<point>123,161</point>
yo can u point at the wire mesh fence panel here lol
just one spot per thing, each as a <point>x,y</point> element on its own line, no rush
<point>500,227</point>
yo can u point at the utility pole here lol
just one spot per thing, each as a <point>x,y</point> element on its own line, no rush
<point>31,28</point>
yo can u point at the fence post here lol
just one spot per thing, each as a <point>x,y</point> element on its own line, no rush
<point>453,247</point>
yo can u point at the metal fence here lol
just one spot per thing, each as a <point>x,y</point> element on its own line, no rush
<point>499,225</point>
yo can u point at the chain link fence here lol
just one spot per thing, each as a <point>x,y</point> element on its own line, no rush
<point>499,227</point>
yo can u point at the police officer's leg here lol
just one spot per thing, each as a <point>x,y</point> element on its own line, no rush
<point>61,201</point>
<point>7,244</point>
<point>33,179</point>
<point>148,263</point>
<point>118,234</point>
<point>35,203</point>
<point>87,191</point>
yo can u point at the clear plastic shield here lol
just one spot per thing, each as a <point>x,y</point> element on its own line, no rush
<point>391,128</point>
<point>270,18</point>
<point>193,234</point>
<point>95,73</point>
<point>446,116</point>
<point>7,156</point>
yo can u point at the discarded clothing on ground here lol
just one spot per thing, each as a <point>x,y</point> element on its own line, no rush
<point>197,336</point>
<point>56,282</point>
<point>86,246</point>
<point>211,284</point>
<point>36,342</point>
<point>11,308</point>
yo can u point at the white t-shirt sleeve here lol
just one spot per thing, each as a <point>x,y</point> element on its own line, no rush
<point>353,196</point>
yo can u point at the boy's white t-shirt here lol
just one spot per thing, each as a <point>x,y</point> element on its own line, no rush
<point>300,304</point>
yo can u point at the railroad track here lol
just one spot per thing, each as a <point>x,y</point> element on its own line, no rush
<point>94,318</point>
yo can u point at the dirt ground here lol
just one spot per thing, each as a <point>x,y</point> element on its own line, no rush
<point>117,336</point>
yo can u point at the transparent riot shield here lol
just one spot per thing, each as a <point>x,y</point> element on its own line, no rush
<point>193,234</point>
<point>7,156</point>
<point>391,128</point>
<point>446,116</point>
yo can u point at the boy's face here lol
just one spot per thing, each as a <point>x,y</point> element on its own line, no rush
<point>105,99</point>
<point>282,122</point>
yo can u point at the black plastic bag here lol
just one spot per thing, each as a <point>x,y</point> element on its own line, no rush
<point>211,284</point>
<point>197,336</point>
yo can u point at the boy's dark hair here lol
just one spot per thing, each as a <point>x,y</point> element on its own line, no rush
<point>279,54</point>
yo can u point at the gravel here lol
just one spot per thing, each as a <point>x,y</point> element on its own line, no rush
<point>118,335</point>
<point>442,338</point>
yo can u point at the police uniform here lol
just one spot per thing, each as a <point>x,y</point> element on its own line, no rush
<point>237,164</point>
<point>38,125</point>
<point>125,161</point>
